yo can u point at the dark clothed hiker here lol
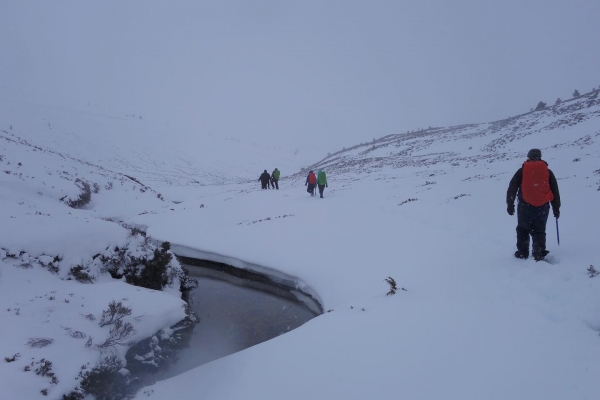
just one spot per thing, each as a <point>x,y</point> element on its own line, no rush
<point>275,179</point>
<point>264,179</point>
<point>536,188</point>
<point>321,181</point>
<point>311,182</point>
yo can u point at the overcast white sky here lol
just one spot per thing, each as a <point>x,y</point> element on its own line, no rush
<point>333,72</point>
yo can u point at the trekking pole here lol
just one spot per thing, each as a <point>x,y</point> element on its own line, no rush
<point>557,235</point>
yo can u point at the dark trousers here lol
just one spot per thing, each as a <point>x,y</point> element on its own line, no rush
<point>311,188</point>
<point>321,189</point>
<point>265,184</point>
<point>275,184</point>
<point>532,222</point>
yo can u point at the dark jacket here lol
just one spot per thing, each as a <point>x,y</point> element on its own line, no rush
<point>264,177</point>
<point>514,189</point>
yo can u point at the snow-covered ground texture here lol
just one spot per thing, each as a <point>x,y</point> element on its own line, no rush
<point>427,208</point>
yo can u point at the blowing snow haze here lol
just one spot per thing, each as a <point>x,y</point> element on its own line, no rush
<point>311,75</point>
<point>134,132</point>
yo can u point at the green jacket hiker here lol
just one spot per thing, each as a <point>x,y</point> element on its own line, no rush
<point>321,181</point>
<point>275,178</point>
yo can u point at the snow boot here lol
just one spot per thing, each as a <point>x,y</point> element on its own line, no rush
<point>520,255</point>
<point>541,255</point>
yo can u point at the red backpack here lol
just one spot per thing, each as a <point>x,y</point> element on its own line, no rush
<point>535,185</point>
<point>312,179</point>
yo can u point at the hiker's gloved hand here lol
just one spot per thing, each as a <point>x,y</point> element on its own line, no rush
<point>556,213</point>
<point>510,209</point>
<point>306,184</point>
<point>326,186</point>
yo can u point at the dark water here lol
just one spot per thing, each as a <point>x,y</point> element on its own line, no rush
<point>237,312</point>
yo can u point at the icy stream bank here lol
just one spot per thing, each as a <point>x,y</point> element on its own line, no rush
<point>237,308</point>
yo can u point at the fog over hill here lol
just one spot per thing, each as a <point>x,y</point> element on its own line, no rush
<point>133,132</point>
<point>155,154</point>
<point>314,76</point>
<point>128,144</point>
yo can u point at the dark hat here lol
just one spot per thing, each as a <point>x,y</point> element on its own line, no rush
<point>534,154</point>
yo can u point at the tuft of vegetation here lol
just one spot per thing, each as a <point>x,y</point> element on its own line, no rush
<point>119,334</point>
<point>460,195</point>
<point>592,272</point>
<point>76,394</point>
<point>89,317</point>
<point>137,231</point>
<point>115,262</point>
<point>151,274</point>
<point>81,274</point>
<point>105,381</point>
<point>15,357</point>
<point>75,334</point>
<point>85,196</point>
<point>39,342</point>
<point>53,268</point>
<point>44,368</point>
<point>393,286</point>
<point>407,201</point>
<point>114,313</point>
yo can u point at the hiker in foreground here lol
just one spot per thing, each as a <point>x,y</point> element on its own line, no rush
<point>536,187</point>
<point>275,179</point>
<point>264,179</point>
<point>311,182</point>
<point>321,181</point>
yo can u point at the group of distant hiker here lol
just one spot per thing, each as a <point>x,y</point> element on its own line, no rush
<point>272,180</point>
<point>312,181</point>
<point>534,185</point>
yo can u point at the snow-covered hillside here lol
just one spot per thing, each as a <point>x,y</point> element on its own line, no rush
<point>426,208</point>
<point>157,154</point>
<point>571,123</point>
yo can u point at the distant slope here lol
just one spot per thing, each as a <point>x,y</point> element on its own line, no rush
<point>159,157</point>
<point>574,122</point>
<point>157,154</point>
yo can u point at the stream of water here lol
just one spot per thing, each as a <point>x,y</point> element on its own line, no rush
<point>237,312</point>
